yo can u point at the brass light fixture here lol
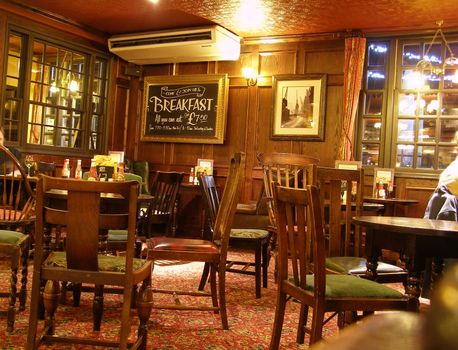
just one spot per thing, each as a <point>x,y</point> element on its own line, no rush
<point>250,76</point>
<point>425,67</point>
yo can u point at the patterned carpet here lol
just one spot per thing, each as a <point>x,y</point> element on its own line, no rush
<point>250,319</point>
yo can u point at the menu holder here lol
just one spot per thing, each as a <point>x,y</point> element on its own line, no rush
<point>383,182</point>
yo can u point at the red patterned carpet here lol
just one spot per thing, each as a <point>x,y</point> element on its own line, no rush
<point>250,319</point>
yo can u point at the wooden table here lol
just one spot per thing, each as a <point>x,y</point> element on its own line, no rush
<point>392,206</point>
<point>396,330</point>
<point>417,239</point>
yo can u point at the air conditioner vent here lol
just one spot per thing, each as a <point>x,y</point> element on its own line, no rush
<point>178,38</point>
<point>212,43</point>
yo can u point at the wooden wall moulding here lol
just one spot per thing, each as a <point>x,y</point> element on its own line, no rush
<point>185,108</point>
<point>299,107</point>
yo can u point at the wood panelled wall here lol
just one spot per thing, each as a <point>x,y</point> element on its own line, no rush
<point>249,109</point>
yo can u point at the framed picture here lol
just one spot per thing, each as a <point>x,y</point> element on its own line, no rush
<point>204,166</point>
<point>185,108</point>
<point>348,164</point>
<point>299,107</point>
<point>383,182</point>
<point>117,156</point>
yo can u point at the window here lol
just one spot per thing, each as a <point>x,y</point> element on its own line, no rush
<point>63,96</point>
<point>405,125</point>
<point>374,97</point>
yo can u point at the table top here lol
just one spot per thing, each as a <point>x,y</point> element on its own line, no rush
<point>396,330</point>
<point>402,201</point>
<point>62,194</point>
<point>417,226</point>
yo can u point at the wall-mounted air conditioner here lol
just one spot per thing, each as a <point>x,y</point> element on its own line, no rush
<point>212,43</point>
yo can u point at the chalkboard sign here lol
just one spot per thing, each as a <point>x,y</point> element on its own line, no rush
<point>185,108</point>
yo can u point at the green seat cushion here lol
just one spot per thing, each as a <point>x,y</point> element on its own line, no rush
<point>348,286</point>
<point>356,265</point>
<point>107,263</point>
<point>117,235</point>
<point>249,233</point>
<point>10,237</point>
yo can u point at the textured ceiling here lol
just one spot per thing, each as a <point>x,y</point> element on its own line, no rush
<point>251,18</point>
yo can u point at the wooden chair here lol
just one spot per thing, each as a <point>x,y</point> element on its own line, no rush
<point>141,168</point>
<point>286,169</point>
<point>45,168</point>
<point>17,205</point>
<point>301,243</point>
<point>81,261</point>
<point>249,237</point>
<point>160,215</point>
<point>213,251</point>
<point>345,241</point>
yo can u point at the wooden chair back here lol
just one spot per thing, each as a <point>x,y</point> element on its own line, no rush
<point>301,238</point>
<point>228,203</point>
<point>45,168</point>
<point>89,220</point>
<point>211,201</point>
<point>17,200</point>
<point>286,169</point>
<point>341,197</point>
<point>162,207</point>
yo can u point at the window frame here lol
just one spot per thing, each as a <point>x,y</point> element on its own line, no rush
<point>390,117</point>
<point>92,55</point>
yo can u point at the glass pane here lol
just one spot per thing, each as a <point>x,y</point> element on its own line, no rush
<point>434,54</point>
<point>374,103</point>
<point>100,68</point>
<point>14,66</point>
<point>411,79</point>
<point>432,80</point>
<point>454,47</point>
<point>35,92</point>
<point>37,70</point>
<point>38,50</point>
<point>446,156</point>
<point>429,104</point>
<point>65,59</point>
<point>451,79</point>
<point>371,129</point>
<point>450,104</point>
<point>34,134</point>
<point>449,130</point>
<point>407,104</point>
<point>377,54</point>
<point>12,87</point>
<point>97,87</point>
<point>96,105</point>
<point>78,63</point>
<point>404,156</point>
<point>406,130</point>
<point>15,45</point>
<point>411,54</point>
<point>427,130</point>
<point>370,154</point>
<point>51,55</point>
<point>11,110</point>
<point>93,141</point>
<point>375,79</point>
<point>425,157</point>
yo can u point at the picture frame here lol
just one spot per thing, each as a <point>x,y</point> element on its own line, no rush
<point>117,156</point>
<point>383,182</point>
<point>348,164</point>
<point>204,166</point>
<point>185,108</point>
<point>298,111</point>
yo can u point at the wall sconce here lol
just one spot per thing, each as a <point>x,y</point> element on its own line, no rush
<point>250,76</point>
